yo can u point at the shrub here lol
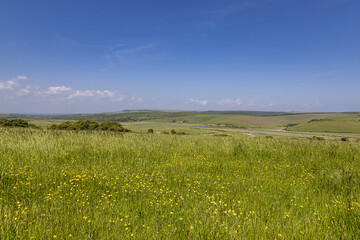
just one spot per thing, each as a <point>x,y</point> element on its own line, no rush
<point>344,139</point>
<point>291,124</point>
<point>181,133</point>
<point>2,121</point>
<point>90,125</point>
<point>85,125</point>
<point>14,123</point>
<point>108,125</point>
<point>269,136</point>
<point>115,128</point>
<point>319,120</point>
<point>173,131</point>
<point>150,130</point>
<point>165,132</point>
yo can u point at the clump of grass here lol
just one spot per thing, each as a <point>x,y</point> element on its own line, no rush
<point>222,135</point>
<point>318,138</point>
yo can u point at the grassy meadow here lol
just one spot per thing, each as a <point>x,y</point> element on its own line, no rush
<point>108,185</point>
<point>332,126</point>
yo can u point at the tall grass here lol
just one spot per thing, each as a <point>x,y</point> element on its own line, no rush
<point>97,185</point>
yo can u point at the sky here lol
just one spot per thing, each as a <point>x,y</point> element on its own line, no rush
<point>89,56</point>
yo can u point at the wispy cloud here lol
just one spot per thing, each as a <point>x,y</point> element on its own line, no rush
<point>66,41</point>
<point>231,102</point>
<point>233,8</point>
<point>123,53</point>
<point>197,101</point>
<point>325,74</point>
<point>311,106</point>
<point>22,77</point>
<point>211,17</point>
<point>93,93</point>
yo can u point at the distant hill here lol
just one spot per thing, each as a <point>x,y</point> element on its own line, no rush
<point>291,121</point>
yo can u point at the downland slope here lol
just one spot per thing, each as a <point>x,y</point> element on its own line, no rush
<point>331,125</point>
<point>288,121</point>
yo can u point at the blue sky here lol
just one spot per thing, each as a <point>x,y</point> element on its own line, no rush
<point>98,56</point>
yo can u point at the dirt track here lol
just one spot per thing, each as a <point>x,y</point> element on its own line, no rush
<point>282,133</point>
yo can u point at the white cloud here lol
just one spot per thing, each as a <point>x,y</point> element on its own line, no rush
<point>15,87</point>
<point>8,85</point>
<point>120,98</point>
<point>12,84</point>
<point>137,99</point>
<point>105,94</point>
<point>57,90</point>
<point>22,77</point>
<point>23,92</point>
<point>92,93</point>
<point>197,101</point>
<point>231,102</point>
<point>310,106</point>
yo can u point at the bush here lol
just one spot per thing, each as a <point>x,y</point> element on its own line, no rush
<point>14,123</point>
<point>150,130</point>
<point>291,125</point>
<point>319,120</point>
<point>115,128</point>
<point>2,121</point>
<point>173,131</point>
<point>344,139</point>
<point>165,132</point>
<point>108,125</point>
<point>85,125</point>
<point>90,125</point>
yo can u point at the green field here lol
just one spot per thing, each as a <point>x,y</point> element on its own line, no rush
<point>288,121</point>
<point>109,185</point>
<point>332,126</point>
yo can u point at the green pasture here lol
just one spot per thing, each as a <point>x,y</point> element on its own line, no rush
<point>330,126</point>
<point>253,121</point>
<point>111,185</point>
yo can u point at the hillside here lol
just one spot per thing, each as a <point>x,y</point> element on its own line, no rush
<point>290,121</point>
